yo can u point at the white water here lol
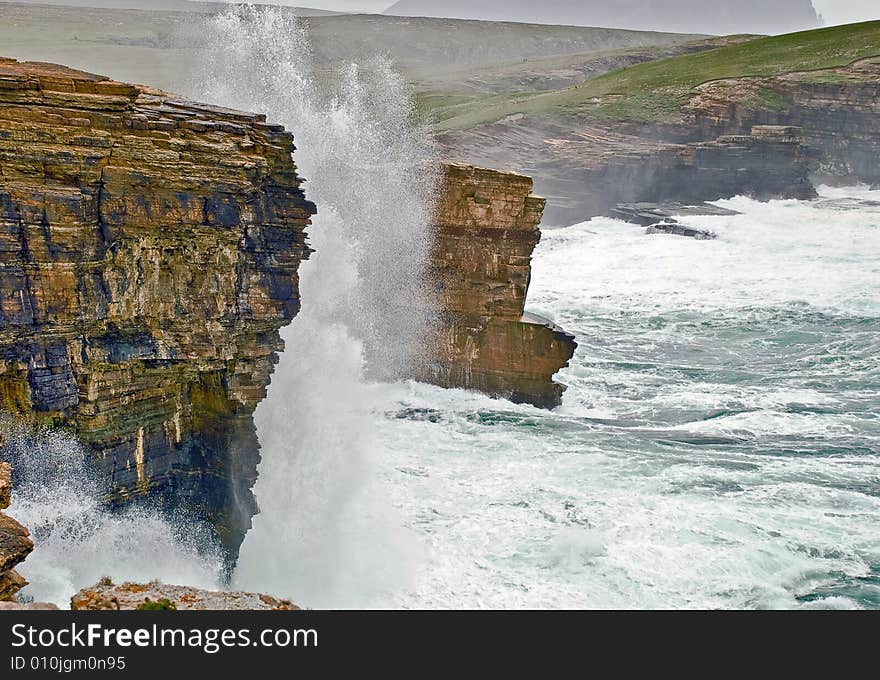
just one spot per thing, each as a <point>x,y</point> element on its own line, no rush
<point>325,535</point>
<point>719,445</point>
<point>77,541</point>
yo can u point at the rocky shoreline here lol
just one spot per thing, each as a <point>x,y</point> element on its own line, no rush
<point>765,138</point>
<point>149,257</point>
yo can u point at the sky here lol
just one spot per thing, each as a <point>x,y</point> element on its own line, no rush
<point>834,11</point>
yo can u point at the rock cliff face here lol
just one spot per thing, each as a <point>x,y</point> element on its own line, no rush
<point>486,230</point>
<point>837,109</point>
<point>15,542</point>
<point>149,250</point>
<point>587,170</point>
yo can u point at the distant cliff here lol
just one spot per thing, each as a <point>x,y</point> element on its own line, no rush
<point>149,255</point>
<point>837,108</point>
<point>486,229</point>
<point>761,118</point>
<point>684,16</point>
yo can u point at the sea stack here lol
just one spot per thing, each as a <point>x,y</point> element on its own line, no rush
<point>486,225</point>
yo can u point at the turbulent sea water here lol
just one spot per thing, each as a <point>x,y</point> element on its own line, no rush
<point>718,446</point>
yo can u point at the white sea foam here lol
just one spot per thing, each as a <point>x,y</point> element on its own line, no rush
<point>718,441</point>
<point>326,535</point>
<point>77,540</point>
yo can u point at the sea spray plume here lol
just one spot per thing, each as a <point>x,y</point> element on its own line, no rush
<point>77,539</point>
<point>326,534</point>
<point>369,168</point>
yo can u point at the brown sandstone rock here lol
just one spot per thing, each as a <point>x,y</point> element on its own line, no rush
<point>149,254</point>
<point>486,229</point>
<point>15,543</point>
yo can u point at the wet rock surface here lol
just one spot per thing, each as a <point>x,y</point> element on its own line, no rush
<point>649,214</point>
<point>15,542</point>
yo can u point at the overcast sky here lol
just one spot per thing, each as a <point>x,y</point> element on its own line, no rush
<point>834,11</point>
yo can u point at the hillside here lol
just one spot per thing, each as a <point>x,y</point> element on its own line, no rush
<point>657,90</point>
<point>155,5</point>
<point>687,16</point>
<point>589,143</point>
<point>157,47</point>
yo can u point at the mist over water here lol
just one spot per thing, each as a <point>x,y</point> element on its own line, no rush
<point>325,535</point>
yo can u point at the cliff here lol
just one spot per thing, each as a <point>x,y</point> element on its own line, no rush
<point>15,542</point>
<point>838,110</point>
<point>486,230</point>
<point>695,127</point>
<point>149,255</point>
<point>149,250</point>
<point>589,170</point>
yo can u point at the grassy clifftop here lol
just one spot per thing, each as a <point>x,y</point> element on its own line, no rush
<point>656,90</point>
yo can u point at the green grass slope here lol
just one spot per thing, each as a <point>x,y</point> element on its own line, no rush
<point>656,90</point>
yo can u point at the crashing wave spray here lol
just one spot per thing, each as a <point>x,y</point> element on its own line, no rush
<point>325,535</point>
<point>77,539</point>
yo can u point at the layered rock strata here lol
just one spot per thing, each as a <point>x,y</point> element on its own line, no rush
<point>587,171</point>
<point>765,137</point>
<point>486,230</point>
<point>15,542</point>
<point>837,109</point>
<point>149,249</point>
<point>149,254</point>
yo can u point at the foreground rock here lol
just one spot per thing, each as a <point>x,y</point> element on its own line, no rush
<point>149,255</point>
<point>486,230</point>
<point>158,596</point>
<point>15,542</point>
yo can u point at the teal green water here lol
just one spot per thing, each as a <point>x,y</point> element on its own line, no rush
<point>719,444</point>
